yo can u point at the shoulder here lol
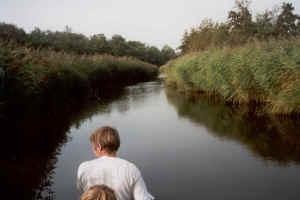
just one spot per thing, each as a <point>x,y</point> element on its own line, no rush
<point>131,168</point>
<point>127,163</point>
<point>84,166</point>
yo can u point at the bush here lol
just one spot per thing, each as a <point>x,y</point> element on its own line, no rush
<point>39,73</point>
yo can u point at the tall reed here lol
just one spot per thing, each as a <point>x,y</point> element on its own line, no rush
<point>36,73</point>
<point>267,73</point>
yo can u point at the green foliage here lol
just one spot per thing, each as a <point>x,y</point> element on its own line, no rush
<point>287,21</point>
<point>240,23</point>
<point>44,73</point>
<point>67,41</point>
<point>8,31</point>
<point>242,28</point>
<point>266,73</point>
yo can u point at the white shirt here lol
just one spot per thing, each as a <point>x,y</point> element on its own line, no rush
<point>119,174</point>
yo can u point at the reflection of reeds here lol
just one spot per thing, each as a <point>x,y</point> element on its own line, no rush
<point>266,73</point>
<point>37,135</point>
<point>267,136</point>
<point>39,72</point>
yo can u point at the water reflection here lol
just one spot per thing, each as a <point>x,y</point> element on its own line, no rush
<point>32,137</point>
<point>41,146</point>
<point>268,137</point>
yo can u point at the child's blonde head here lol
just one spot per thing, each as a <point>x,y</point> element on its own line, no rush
<point>99,192</point>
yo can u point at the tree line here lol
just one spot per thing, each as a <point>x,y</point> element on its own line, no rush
<point>70,42</point>
<point>241,27</point>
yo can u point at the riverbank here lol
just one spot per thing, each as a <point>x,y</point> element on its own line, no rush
<point>45,75</point>
<point>264,73</point>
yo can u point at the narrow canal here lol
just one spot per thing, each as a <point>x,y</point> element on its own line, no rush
<point>185,149</point>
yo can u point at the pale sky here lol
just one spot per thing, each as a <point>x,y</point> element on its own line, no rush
<point>154,22</point>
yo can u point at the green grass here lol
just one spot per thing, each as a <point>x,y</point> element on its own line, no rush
<point>265,73</point>
<point>45,73</point>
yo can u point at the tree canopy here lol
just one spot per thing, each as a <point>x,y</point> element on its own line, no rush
<point>241,27</point>
<point>69,41</point>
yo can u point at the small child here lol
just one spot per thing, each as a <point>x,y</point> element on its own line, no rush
<point>99,192</point>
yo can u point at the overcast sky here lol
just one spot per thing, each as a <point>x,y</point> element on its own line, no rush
<point>155,22</point>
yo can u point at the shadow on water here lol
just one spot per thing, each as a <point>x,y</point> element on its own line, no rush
<point>34,134</point>
<point>32,137</point>
<point>268,137</point>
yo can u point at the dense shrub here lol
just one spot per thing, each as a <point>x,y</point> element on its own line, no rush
<point>38,73</point>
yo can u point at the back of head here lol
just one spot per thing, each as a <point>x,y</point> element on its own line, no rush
<point>106,137</point>
<point>99,192</point>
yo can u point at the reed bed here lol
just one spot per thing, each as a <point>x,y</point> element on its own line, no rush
<point>265,73</point>
<point>35,73</point>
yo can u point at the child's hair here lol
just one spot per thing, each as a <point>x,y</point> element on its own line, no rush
<point>107,137</point>
<point>99,192</point>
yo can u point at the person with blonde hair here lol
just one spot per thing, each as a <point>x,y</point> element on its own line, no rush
<point>108,169</point>
<point>99,192</point>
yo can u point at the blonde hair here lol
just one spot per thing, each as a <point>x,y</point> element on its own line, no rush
<point>99,192</point>
<point>107,137</point>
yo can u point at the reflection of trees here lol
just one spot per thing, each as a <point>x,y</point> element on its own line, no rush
<point>32,138</point>
<point>33,133</point>
<point>266,136</point>
<point>140,92</point>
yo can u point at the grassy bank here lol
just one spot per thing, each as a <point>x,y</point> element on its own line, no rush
<point>262,73</point>
<point>45,74</point>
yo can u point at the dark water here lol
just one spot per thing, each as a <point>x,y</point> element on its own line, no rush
<point>186,149</point>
